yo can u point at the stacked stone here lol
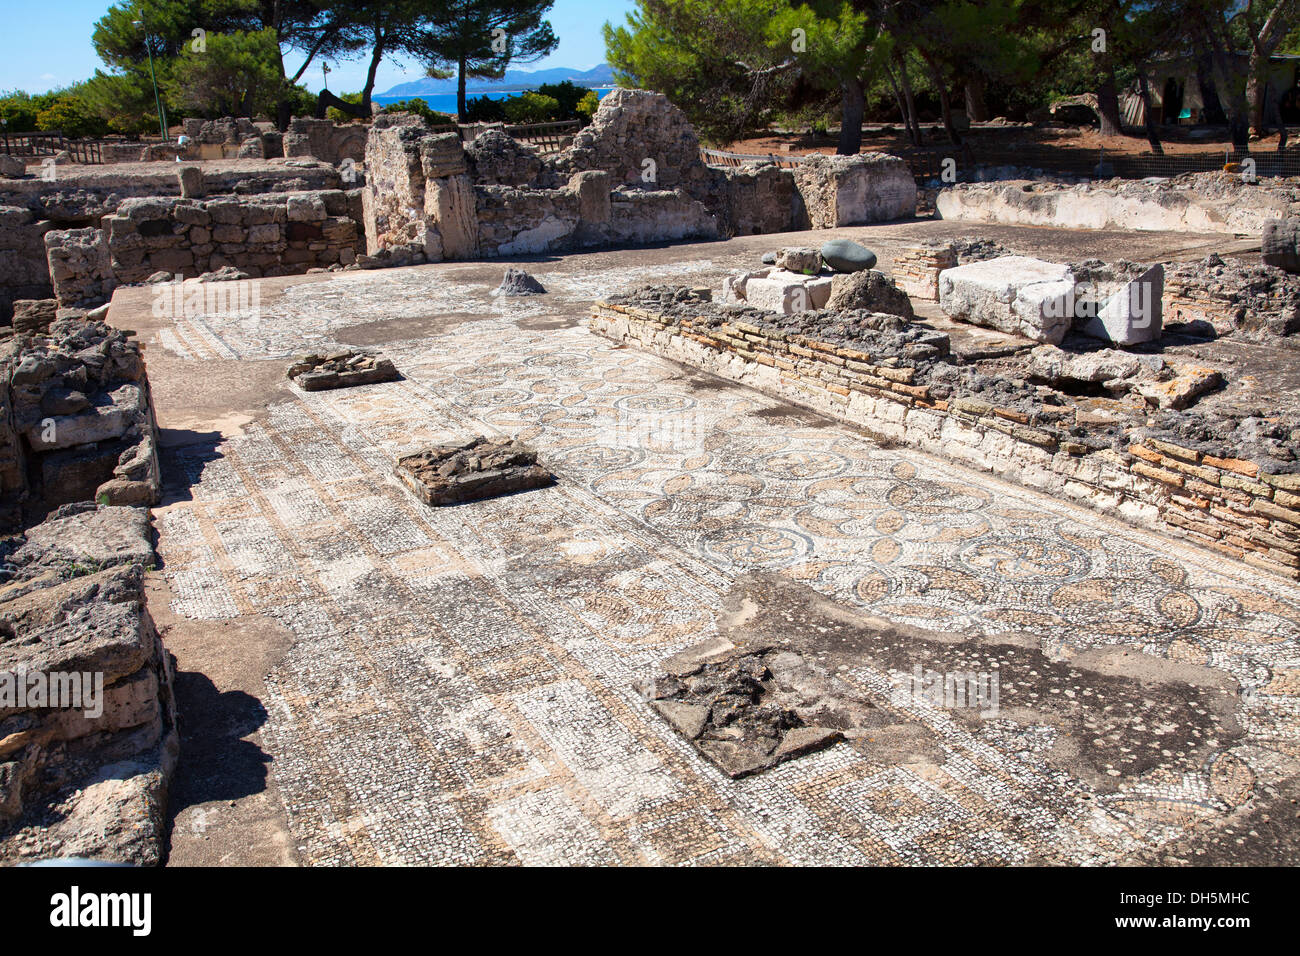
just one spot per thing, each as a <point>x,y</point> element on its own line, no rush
<point>1231,504</point>
<point>850,190</point>
<point>916,269</point>
<point>82,777</point>
<point>1232,295</point>
<point>324,140</point>
<point>80,266</point>
<point>80,420</point>
<point>266,236</point>
<point>756,199</point>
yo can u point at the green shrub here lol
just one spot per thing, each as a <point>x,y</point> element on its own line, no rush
<point>567,95</point>
<point>531,108</point>
<point>70,115</point>
<point>588,105</point>
<point>420,108</point>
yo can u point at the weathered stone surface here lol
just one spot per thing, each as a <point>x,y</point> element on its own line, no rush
<point>1016,294</point>
<point>519,282</point>
<point>471,470</point>
<point>314,373</point>
<point>1280,244</point>
<point>777,290</point>
<point>1120,304</point>
<point>799,259</point>
<point>850,190</point>
<point>34,315</point>
<point>738,714</point>
<point>79,416</point>
<point>1188,384</point>
<point>11,167</point>
<point>191,181</point>
<point>845,255</point>
<point>84,769</point>
<point>870,290</point>
<point>1193,202</point>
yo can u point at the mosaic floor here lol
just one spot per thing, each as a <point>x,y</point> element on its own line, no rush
<point>460,690</point>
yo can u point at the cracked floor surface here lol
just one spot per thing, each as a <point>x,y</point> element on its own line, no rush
<point>458,685</point>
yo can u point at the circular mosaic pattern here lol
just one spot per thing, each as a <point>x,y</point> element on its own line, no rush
<point>923,497</point>
<point>756,547</point>
<point>557,360</point>
<point>655,403</point>
<point>1025,559</point>
<point>805,463</point>
<point>597,459</point>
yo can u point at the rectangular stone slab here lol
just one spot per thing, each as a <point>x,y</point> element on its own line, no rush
<point>1014,294</point>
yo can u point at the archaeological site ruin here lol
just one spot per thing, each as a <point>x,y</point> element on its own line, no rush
<point>423,496</point>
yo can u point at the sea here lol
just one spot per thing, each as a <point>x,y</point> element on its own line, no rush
<point>446,102</point>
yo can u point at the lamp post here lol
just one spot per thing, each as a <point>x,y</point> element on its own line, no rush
<point>148,48</point>
<point>325,72</point>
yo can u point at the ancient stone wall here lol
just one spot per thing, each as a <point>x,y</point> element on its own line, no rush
<point>23,270</point>
<point>1249,509</point>
<point>83,774</point>
<point>1194,202</point>
<point>282,234</point>
<point>78,422</point>
<point>325,140</point>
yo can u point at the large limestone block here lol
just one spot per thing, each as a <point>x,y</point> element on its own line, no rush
<point>120,409</point>
<point>778,290</point>
<point>593,187</point>
<point>1126,313</point>
<point>849,190</point>
<point>450,208</point>
<point>1014,294</point>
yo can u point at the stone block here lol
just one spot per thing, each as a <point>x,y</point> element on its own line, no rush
<point>1126,313</point>
<point>1013,294</point>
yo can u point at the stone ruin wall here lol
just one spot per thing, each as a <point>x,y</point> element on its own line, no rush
<point>633,176</point>
<point>1214,202</point>
<point>1244,508</point>
<point>30,208</point>
<point>73,783</point>
<point>78,422</point>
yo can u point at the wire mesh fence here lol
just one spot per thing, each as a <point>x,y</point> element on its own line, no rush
<point>965,162</point>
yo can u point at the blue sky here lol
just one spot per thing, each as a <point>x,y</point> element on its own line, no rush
<point>45,45</point>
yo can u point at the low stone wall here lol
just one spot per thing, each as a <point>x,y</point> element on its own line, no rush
<point>77,424</point>
<point>83,774</point>
<point>1231,505</point>
<point>1195,202</point>
<point>283,234</point>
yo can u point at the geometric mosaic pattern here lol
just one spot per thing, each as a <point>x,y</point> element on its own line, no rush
<point>460,689</point>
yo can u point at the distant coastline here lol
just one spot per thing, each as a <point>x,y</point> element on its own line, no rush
<point>446,102</point>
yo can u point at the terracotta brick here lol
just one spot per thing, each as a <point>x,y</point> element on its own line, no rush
<point>1239,465</point>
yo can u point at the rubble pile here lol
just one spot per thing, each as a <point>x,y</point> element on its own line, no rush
<point>1234,296</point>
<point>736,713</point>
<point>314,373</point>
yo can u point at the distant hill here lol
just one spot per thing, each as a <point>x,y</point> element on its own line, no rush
<point>513,81</point>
